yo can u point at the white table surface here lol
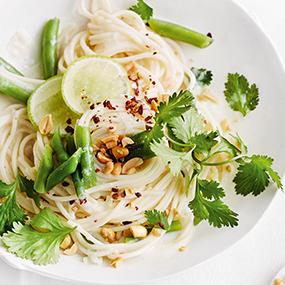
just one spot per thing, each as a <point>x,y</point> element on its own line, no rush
<point>261,253</point>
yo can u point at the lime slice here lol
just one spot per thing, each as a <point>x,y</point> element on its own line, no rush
<point>47,99</point>
<point>92,79</point>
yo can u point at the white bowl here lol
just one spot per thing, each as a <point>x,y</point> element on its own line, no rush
<point>240,46</point>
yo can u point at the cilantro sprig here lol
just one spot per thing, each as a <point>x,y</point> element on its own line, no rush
<point>183,126</point>
<point>240,96</point>
<point>39,240</point>
<point>203,76</point>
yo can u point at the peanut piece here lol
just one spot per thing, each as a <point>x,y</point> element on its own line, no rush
<point>108,234</point>
<point>72,250</point>
<point>120,152</point>
<point>103,158</point>
<point>109,166</point>
<point>66,242</point>
<point>45,125</point>
<point>117,262</point>
<point>132,163</point>
<point>117,169</point>
<point>138,231</point>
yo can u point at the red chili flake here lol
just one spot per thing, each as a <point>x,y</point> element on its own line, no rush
<point>123,194</point>
<point>148,100</point>
<point>147,46</point>
<point>107,104</point>
<point>205,122</point>
<point>48,193</point>
<point>160,225</point>
<point>97,170</point>
<point>92,106</point>
<point>65,183</point>
<point>126,222</point>
<point>69,121</point>
<point>148,128</point>
<point>138,194</point>
<point>98,103</point>
<point>136,208</point>
<point>115,196</point>
<point>154,53</point>
<point>127,204</point>
<point>153,83</point>
<point>115,189</point>
<point>148,119</point>
<point>126,96</point>
<point>85,217</point>
<point>209,35</point>
<point>71,202</point>
<point>140,110</point>
<point>146,34</point>
<point>95,221</point>
<point>83,201</point>
<point>84,97</point>
<point>69,130</point>
<point>43,199</point>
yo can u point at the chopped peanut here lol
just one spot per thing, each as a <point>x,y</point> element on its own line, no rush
<point>138,231</point>
<point>103,158</point>
<point>153,106</point>
<point>46,125</point>
<point>155,232</point>
<point>75,208</point>
<point>278,282</point>
<point>109,138</point>
<point>127,141</point>
<point>132,163</point>
<point>120,152</point>
<point>109,166</point>
<point>117,262</point>
<point>111,144</point>
<point>117,169</point>
<point>108,234</point>
<point>66,242</point>
<point>182,248</point>
<point>207,95</point>
<point>225,126</point>
<point>72,250</point>
<point>95,148</point>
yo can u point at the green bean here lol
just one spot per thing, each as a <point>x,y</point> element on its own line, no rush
<point>175,226</point>
<point>76,176</point>
<point>179,33</point>
<point>57,146</point>
<point>13,90</point>
<point>64,170</point>
<point>49,44</point>
<point>83,140</point>
<point>9,67</point>
<point>45,168</point>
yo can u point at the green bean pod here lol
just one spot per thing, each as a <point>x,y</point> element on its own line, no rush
<point>83,140</point>
<point>175,226</point>
<point>179,33</point>
<point>45,168</point>
<point>13,90</point>
<point>76,176</point>
<point>9,67</point>
<point>49,48</point>
<point>57,146</point>
<point>64,170</point>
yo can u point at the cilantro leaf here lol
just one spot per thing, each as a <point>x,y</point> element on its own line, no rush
<point>29,243</point>
<point>171,157</point>
<point>157,218</point>
<point>175,107</point>
<point>239,95</point>
<point>253,176</point>
<point>142,9</point>
<point>203,76</point>
<point>207,205</point>
<point>27,186</point>
<point>187,125</point>
<point>10,212</point>
<point>205,142</point>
